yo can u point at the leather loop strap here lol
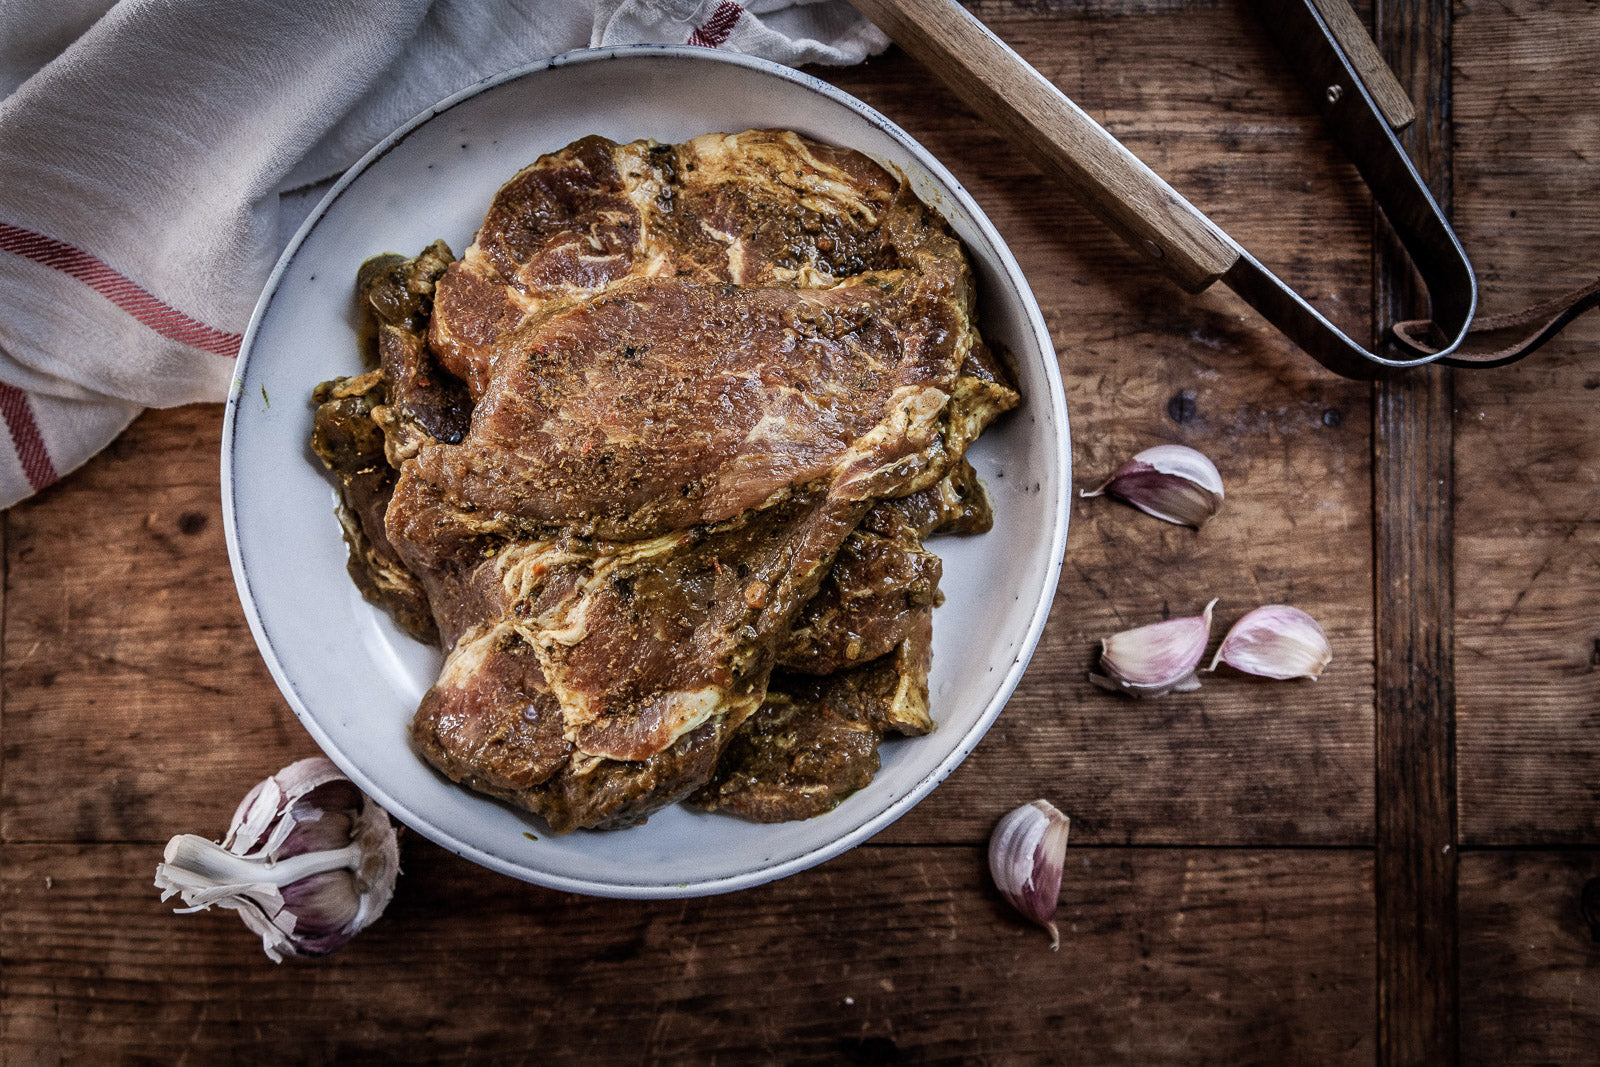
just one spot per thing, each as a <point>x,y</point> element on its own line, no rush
<point>1495,340</point>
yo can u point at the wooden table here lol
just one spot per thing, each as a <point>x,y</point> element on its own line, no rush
<point>1399,862</point>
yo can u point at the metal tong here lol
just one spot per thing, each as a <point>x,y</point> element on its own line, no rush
<point>1358,96</point>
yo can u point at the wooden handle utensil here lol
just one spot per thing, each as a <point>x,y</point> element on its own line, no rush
<point>1357,95</point>
<point>1060,138</point>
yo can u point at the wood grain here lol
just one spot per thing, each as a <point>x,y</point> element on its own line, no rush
<point>1530,945</point>
<point>1249,764</point>
<point>1359,48</point>
<point>1528,436</point>
<point>1241,762</point>
<point>134,695</point>
<point>1415,613</point>
<point>1224,902</point>
<point>889,954</point>
<point>1058,136</point>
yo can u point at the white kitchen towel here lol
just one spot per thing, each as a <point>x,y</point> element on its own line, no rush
<point>155,157</point>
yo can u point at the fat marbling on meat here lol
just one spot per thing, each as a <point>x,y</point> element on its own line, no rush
<point>626,437</point>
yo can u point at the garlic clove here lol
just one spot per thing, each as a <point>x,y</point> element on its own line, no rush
<point>1153,660</point>
<point>1172,482</point>
<point>259,822</point>
<point>324,905</point>
<point>1027,853</point>
<point>308,862</point>
<point>1276,641</point>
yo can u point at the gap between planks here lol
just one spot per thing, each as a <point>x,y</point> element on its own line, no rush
<point>1417,839</point>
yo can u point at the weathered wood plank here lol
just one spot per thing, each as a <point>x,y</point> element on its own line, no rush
<point>134,704</point>
<point>1201,95</point>
<point>1528,437</point>
<point>1530,939</point>
<point>1167,956</point>
<point>1415,539</point>
<point>1242,764</point>
<point>133,692</point>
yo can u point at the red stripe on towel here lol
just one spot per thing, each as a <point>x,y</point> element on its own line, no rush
<point>716,29</point>
<point>149,309</point>
<point>25,438</point>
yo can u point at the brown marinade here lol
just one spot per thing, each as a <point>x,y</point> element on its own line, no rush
<point>653,462</point>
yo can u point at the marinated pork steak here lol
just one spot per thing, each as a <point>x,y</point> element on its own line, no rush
<point>357,420</point>
<point>661,391</point>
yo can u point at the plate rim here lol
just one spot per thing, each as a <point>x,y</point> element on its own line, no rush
<point>766,871</point>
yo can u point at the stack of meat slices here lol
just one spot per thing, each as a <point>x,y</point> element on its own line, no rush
<point>653,463</point>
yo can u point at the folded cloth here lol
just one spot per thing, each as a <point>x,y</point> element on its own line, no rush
<point>155,157</point>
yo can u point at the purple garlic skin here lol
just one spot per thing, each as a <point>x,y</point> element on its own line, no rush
<point>1174,483</point>
<point>1154,660</point>
<point>1276,641</point>
<point>1027,853</point>
<point>309,861</point>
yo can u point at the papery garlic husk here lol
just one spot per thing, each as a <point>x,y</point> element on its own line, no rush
<point>1276,641</point>
<point>309,861</point>
<point>1027,853</point>
<point>1171,482</point>
<point>1153,660</point>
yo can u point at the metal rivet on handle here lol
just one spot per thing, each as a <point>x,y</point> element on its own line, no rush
<point>1334,93</point>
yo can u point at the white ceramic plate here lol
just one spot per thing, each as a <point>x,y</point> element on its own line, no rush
<point>354,679</point>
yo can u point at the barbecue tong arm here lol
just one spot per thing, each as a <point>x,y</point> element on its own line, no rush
<point>1165,227</point>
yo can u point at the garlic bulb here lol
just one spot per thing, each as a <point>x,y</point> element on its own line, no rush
<point>1171,482</point>
<point>1026,855</point>
<point>1153,660</point>
<point>309,862</point>
<point>1276,641</point>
